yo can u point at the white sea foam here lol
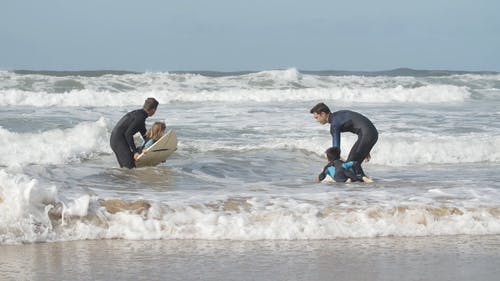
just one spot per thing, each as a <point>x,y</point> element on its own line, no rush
<point>55,146</point>
<point>396,149</point>
<point>265,86</point>
<point>26,205</point>
<point>407,149</point>
<point>88,139</point>
<point>427,94</point>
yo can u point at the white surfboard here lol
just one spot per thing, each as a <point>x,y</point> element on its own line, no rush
<point>159,151</point>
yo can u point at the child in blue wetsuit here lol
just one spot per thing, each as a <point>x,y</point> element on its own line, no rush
<point>339,170</point>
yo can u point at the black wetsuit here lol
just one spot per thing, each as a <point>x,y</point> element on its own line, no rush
<point>350,121</point>
<point>122,136</point>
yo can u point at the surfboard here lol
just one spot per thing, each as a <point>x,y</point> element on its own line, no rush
<point>159,151</point>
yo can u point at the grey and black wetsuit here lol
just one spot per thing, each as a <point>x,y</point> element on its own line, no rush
<point>350,121</point>
<point>339,171</point>
<point>122,136</point>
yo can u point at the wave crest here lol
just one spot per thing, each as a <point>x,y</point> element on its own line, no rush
<point>54,146</point>
<point>399,94</point>
<point>242,218</point>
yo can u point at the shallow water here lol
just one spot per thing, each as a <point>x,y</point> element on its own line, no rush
<point>248,154</point>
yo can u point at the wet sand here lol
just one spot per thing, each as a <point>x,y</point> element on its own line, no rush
<point>421,258</point>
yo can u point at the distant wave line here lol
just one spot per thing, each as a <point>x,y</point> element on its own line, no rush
<point>210,73</point>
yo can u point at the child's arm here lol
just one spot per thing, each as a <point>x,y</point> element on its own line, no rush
<point>322,175</point>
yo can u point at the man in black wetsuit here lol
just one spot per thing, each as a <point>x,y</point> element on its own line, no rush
<point>122,136</point>
<point>349,121</point>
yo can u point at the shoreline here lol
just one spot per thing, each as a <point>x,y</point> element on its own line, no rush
<point>385,258</point>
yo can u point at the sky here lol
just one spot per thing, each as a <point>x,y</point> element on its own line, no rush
<point>236,35</point>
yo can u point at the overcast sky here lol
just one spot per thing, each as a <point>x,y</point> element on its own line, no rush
<point>232,35</point>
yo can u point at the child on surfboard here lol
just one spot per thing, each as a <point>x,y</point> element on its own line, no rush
<point>153,135</point>
<point>339,170</point>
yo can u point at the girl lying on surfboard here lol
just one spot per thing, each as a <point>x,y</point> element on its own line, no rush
<point>153,134</point>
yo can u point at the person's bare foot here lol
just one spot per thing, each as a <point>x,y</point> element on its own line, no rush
<point>367,179</point>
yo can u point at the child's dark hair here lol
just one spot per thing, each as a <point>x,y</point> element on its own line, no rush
<point>332,153</point>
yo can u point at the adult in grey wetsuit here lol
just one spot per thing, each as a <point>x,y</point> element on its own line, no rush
<point>122,136</point>
<point>349,121</point>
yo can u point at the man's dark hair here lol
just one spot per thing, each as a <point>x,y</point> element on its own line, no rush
<point>320,107</point>
<point>332,153</point>
<point>150,103</point>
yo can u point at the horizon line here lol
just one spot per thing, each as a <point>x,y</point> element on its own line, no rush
<point>401,71</point>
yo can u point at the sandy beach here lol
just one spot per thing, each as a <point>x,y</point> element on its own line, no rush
<point>418,258</point>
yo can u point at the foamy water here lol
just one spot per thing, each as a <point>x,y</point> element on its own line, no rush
<point>248,154</point>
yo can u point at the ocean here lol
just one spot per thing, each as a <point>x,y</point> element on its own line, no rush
<point>244,171</point>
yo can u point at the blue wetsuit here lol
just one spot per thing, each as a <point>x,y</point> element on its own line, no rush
<point>147,143</point>
<point>340,171</point>
<point>122,136</point>
<point>350,121</point>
